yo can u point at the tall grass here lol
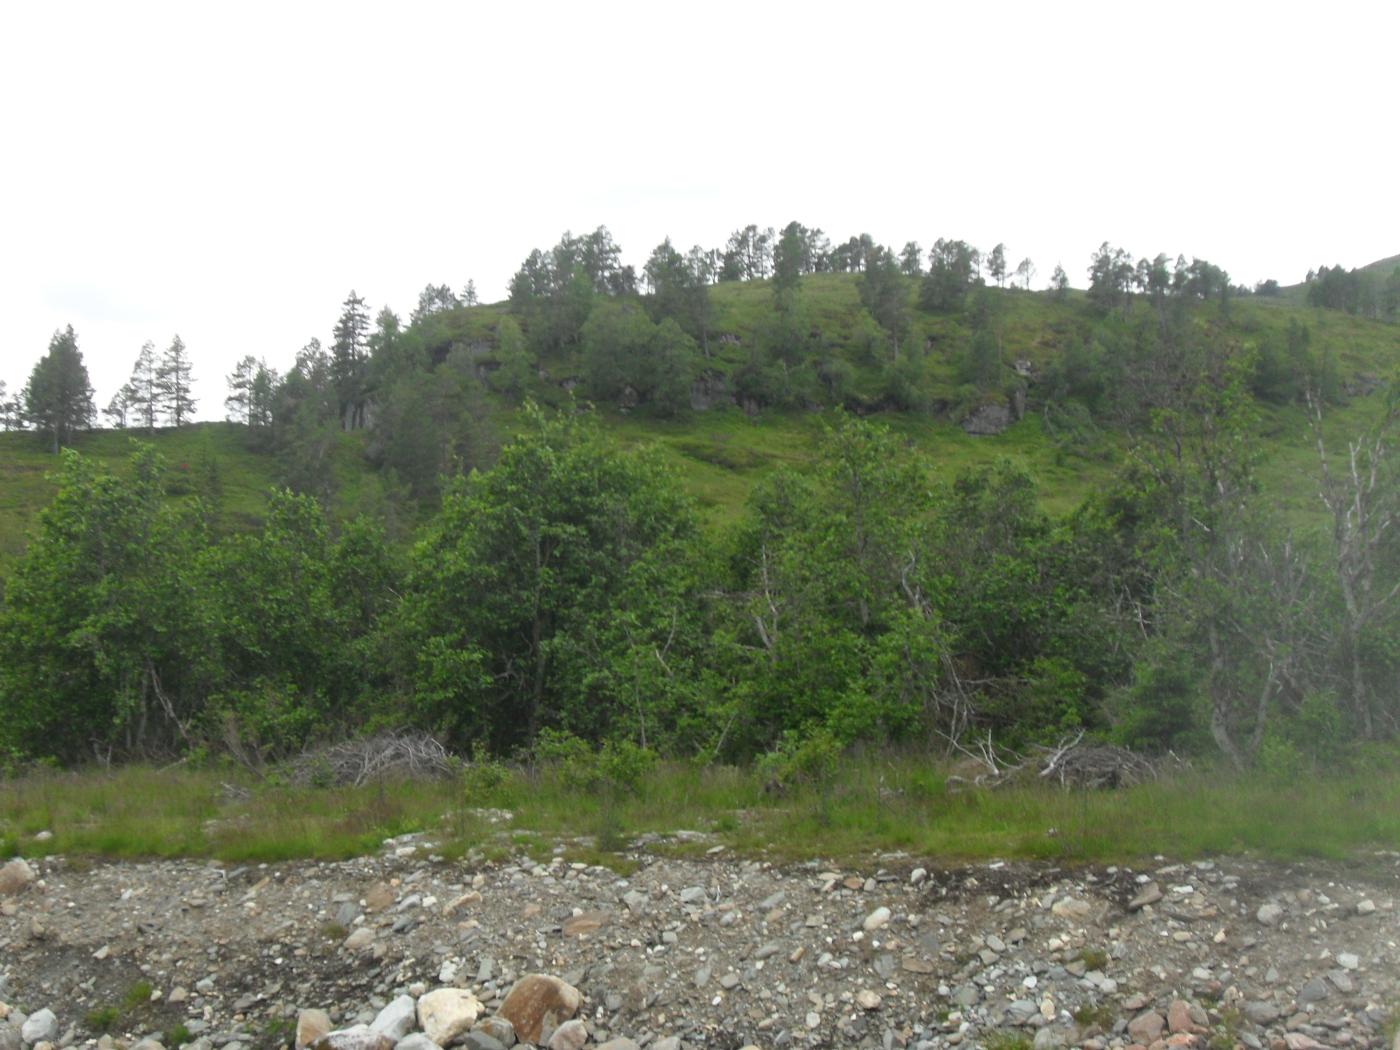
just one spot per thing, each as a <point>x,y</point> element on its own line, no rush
<point>878,803</point>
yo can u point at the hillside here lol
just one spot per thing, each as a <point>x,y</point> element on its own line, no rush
<point>721,452</point>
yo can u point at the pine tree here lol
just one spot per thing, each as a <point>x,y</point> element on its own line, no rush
<point>349,361</point>
<point>58,396</point>
<point>145,399</point>
<point>240,390</point>
<point>173,380</point>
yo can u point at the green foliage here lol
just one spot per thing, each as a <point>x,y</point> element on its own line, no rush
<point>114,664</point>
<point>533,582</point>
<point>628,360</point>
<point>58,396</point>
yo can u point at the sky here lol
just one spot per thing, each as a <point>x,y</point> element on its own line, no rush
<point>229,172</point>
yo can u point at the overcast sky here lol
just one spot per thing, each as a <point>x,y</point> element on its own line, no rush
<point>229,172</point>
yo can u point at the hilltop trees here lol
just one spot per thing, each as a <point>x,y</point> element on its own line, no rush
<point>952,272</point>
<point>58,396</point>
<point>251,387</point>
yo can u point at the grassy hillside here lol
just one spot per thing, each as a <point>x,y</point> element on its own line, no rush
<point>721,454</point>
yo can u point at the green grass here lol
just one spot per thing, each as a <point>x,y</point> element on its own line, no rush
<point>879,803</point>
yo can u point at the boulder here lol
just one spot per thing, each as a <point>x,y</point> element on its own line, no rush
<point>15,877</point>
<point>987,420</point>
<point>446,1013</point>
<point>538,1000</point>
<point>41,1026</point>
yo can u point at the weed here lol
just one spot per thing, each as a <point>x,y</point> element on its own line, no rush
<point>1093,958</point>
<point>102,1019</point>
<point>1100,1014</point>
<point>334,932</point>
<point>177,1036</point>
<point>138,995</point>
<point>1007,1040</point>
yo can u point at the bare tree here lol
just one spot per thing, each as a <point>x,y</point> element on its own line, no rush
<point>1364,504</point>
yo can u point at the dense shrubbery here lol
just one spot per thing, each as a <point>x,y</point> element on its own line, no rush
<point>568,590</point>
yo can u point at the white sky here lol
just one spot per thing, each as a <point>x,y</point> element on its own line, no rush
<point>229,172</point>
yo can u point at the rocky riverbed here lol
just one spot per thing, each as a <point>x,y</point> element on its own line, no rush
<point>709,951</point>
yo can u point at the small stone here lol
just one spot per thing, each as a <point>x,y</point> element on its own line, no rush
<point>1313,991</point>
<point>1149,894</point>
<point>496,1028</point>
<point>620,1043</point>
<point>583,925</point>
<point>693,895</point>
<point>877,919</point>
<point>1049,1038</point>
<point>767,951</point>
<point>1261,1013</point>
<point>360,1037</point>
<point>671,1042</point>
<point>918,877</point>
<point>1348,961</point>
<point>868,1000</point>
<point>571,1035</point>
<point>1365,907</point>
<point>1072,908</point>
<point>465,900</point>
<point>1269,914</point>
<point>359,940</point>
<point>311,1025</point>
<point>416,1041</point>
<point>536,1000</point>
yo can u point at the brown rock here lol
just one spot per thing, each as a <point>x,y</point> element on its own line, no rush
<point>312,1025</point>
<point>379,897</point>
<point>1179,1016</point>
<point>588,922</point>
<point>538,1000</point>
<point>1146,1027</point>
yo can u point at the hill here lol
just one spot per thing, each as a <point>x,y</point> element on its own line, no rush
<point>721,451</point>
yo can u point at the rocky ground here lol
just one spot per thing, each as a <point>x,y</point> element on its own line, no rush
<point>712,951</point>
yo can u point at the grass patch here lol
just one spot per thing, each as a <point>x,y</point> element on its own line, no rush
<point>879,803</point>
<point>102,1019</point>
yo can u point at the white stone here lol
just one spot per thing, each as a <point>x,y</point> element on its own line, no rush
<point>446,1013</point>
<point>877,919</point>
<point>41,1027</point>
<point>396,1020</point>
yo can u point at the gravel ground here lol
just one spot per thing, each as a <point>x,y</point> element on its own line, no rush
<point>712,951</point>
